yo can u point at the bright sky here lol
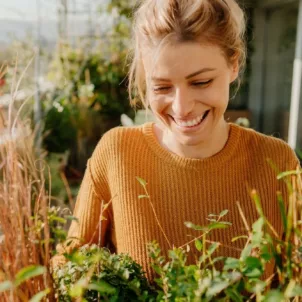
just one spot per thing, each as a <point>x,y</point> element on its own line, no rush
<point>26,9</point>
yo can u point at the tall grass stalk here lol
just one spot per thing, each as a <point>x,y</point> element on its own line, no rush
<point>295,214</point>
<point>24,228</point>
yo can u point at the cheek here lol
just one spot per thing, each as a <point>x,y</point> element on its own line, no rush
<point>217,96</point>
<point>157,104</point>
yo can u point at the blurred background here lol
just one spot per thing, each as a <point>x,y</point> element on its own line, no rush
<point>71,55</point>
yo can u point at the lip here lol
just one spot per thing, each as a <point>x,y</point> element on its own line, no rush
<point>198,127</point>
<point>186,119</point>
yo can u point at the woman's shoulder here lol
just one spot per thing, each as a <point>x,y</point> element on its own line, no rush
<point>261,140</point>
<point>119,138</point>
<point>121,134</point>
<point>267,146</point>
<point>113,143</point>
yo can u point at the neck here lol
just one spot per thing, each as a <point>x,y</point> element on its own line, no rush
<point>205,149</point>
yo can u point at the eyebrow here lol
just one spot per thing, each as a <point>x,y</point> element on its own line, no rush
<point>199,72</point>
<point>188,76</point>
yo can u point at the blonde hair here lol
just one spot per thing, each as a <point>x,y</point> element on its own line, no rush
<point>217,22</point>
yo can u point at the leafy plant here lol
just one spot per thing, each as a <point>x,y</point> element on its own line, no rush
<point>239,279</point>
<point>94,273</point>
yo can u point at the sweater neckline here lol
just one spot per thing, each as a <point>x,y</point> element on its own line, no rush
<point>212,162</point>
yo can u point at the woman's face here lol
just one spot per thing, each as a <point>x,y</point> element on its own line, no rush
<point>188,89</point>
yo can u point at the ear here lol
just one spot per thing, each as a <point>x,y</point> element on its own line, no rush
<point>234,68</point>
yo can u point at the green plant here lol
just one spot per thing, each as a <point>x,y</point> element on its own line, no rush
<point>211,278</point>
<point>59,130</point>
<point>239,279</point>
<point>94,273</point>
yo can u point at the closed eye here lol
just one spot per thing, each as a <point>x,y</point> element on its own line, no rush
<point>161,88</point>
<point>202,83</point>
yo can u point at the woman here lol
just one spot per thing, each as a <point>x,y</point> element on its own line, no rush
<point>187,54</point>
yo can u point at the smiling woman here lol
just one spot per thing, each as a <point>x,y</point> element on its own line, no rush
<point>189,95</point>
<point>187,53</point>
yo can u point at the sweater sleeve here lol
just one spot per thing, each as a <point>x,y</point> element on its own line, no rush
<point>92,224</point>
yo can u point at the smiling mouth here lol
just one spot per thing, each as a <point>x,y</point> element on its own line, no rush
<point>192,123</point>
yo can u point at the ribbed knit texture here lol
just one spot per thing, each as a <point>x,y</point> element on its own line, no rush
<point>181,189</point>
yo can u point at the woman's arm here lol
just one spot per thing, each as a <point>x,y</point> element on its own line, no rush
<point>92,221</point>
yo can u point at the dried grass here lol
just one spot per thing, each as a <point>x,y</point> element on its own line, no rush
<point>24,229</point>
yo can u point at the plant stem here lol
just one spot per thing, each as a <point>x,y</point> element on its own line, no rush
<point>156,218</point>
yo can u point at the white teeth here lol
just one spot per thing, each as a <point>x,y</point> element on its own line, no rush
<point>191,123</point>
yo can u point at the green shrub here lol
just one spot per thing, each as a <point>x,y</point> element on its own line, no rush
<point>118,278</point>
<point>93,273</point>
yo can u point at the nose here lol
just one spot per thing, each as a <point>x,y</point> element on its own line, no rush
<point>182,104</point>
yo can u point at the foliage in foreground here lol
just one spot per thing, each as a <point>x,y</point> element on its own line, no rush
<point>95,273</point>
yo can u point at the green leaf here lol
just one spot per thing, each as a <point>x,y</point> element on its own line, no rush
<point>198,245</point>
<point>239,237</point>
<point>253,267</point>
<point>253,273</point>
<point>39,296</point>
<point>231,263</point>
<point>257,201</point>
<point>78,289</point>
<point>102,287</point>
<point>282,210</point>
<point>60,234</point>
<point>58,219</point>
<point>190,225</point>
<point>213,247</point>
<point>6,285</point>
<point>265,253</point>
<point>234,295</point>
<point>28,273</point>
<point>295,292</point>
<point>216,288</point>
<point>217,225</point>
<point>257,231</point>
<point>274,296</point>
<point>223,213</point>
<point>225,222</point>
<point>246,252</point>
<point>72,218</point>
<point>157,269</point>
<point>141,181</point>
<point>252,262</point>
<point>258,287</point>
<point>258,225</point>
<point>288,173</point>
<point>126,274</point>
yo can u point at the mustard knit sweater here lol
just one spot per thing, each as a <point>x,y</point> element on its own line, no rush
<point>180,189</point>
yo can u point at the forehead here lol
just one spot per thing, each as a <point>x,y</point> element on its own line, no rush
<point>181,59</point>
